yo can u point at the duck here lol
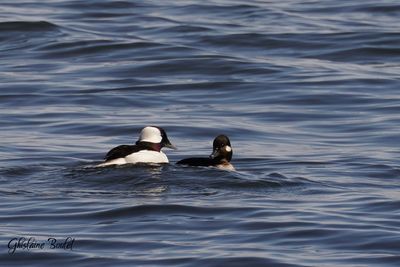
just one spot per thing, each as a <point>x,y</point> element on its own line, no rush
<point>146,150</point>
<point>219,158</point>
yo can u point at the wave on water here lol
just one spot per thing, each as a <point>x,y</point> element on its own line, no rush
<point>307,91</point>
<point>26,26</point>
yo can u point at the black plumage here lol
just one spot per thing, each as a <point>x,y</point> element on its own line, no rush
<point>221,155</point>
<point>122,151</point>
<point>198,162</point>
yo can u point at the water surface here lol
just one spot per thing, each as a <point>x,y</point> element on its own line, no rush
<point>307,91</point>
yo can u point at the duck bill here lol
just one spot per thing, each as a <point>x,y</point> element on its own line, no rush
<point>171,146</point>
<point>214,154</point>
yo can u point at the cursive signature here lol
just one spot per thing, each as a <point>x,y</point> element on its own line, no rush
<point>30,243</point>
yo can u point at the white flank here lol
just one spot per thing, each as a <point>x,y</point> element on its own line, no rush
<point>226,167</point>
<point>118,161</point>
<point>143,156</point>
<point>147,156</point>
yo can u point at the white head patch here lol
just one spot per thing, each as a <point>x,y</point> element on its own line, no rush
<point>228,149</point>
<point>150,134</point>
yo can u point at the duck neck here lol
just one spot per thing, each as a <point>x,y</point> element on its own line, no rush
<point>149,146</point>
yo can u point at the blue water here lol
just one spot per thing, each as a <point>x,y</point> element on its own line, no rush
<point>307,91</point>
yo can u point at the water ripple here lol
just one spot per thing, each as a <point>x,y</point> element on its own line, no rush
<point>307,91</point>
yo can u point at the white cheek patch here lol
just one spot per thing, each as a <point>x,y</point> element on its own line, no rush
<point>228,149</point>
<point>150,134</point>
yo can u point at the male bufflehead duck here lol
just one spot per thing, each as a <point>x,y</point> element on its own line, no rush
<point>147,149</point>
<point>220,157</point>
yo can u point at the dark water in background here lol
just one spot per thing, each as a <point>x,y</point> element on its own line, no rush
<point>308,92</point>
